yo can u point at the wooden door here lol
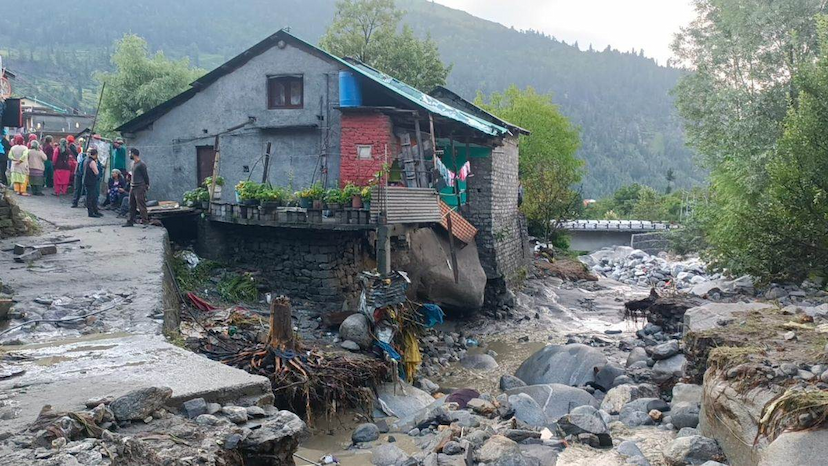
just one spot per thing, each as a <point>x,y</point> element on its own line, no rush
<point>205,158</point>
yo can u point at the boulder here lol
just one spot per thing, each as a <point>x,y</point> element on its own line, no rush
<point>586,419</point>
<point>637,354</point>
<point>685,392</point>
<point>693,450</point>
<point>278,437</point>
<point>435,412</point>
<point>195,407</point>
<point>357,329</point>
<point>366,432</point>
<point>572,365</point>
<point>605,378</point>
<point>388,454</point>
<point>542,454</point>
<point>479,362</point>
<point>481,406</point>
<point>139,404</point>
<point>433,280</point>
<point>671,368</point>
<point>629,449</point>
<point>235,414</point>
<point>510,381</point>
<point>664,350</point>
<point>637,413</point>
<point>619,396</point>
<point>527,410</point>
<point>350,345</point>
<point>402,401</point>
<point>685,414</point>
<point>556,399</point>
<point>499,450</point>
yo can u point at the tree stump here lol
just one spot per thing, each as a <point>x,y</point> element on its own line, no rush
<point>281,325</point>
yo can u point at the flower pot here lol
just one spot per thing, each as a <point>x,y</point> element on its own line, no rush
<point>366,205</point>
<point>317,204</point>
<point>356,202</point>
<point>216,192</point>
<point>205,205</point>
<point>250,202</point>
<point>335,206</point>
<point>305,202</point>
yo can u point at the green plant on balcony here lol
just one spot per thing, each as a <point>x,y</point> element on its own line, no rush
<point>248,192</point>
<point>271,196</point>
<point>196,196</point>
<point>334,198</point>
<point>209,181</point>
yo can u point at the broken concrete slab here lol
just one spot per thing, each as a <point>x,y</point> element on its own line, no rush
<point>714,315</point>
<point>29,256</point>
<point>66,375</point>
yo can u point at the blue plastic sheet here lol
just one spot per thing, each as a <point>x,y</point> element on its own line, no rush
<point>433,314</point>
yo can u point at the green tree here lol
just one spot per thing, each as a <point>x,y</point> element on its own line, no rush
<point>548,166</point>
<point>367,30</point>
<point>140,82</point>
<point>670,177</point>
<point>744,55</point>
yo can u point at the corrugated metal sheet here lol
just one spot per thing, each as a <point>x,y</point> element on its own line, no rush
<point>406,205</point>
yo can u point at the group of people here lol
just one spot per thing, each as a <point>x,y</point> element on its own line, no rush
<point>31,166</point>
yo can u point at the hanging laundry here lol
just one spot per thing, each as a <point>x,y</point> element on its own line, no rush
<point>464,171</point>
<point>447,174</point>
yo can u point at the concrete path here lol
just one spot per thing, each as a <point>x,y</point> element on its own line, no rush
<point>122,349</point>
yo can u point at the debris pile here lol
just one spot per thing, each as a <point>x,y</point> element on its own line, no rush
<point>636,267</point>
<point>46,315</point>
<point>141,428</point>
<point>13,222</point>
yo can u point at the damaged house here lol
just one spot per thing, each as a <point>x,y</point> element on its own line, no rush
<point>443,175</point>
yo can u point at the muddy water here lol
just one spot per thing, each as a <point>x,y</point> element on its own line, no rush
<point>334,437</point>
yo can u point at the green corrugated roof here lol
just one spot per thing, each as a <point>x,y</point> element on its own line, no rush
<point>418,98</point>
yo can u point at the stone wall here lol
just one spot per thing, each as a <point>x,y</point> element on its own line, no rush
<point>318,265</point>
<point>13,222</point>
<point>365,129</point>
<point>651,243</point>
<point>502,239</point>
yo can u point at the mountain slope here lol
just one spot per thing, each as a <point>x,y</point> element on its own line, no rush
<point>621,101</point>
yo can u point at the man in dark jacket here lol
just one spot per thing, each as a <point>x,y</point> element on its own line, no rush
<point>5,147</point>
<point>138,189</point>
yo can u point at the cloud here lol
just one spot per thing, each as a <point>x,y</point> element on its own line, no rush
<point>623,24</point>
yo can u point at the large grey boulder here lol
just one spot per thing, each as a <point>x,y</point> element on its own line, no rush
<point>527,410</point>
<point>366,432</point>
<point>742,284</point>
<point>572,365</point>
<point>556,399</point>
<point>619,396</point>
<point>402,400</point>
<point>685,414</point>
<point>685,392</point>
<point>637,354</point>
<point>501,451</point>
<point>544,455</point>
<point>664,350</point>
<point>139,404</point>
<point>586,419</point>
<point>356,329</point>
<point>510,381</point>
<point>605,378</point>
<point>671,368</point>
<point>433,280</point>
<point>278,437</point>
<point>388,454</point>
<point>482,362</point>
<point>693,450</point>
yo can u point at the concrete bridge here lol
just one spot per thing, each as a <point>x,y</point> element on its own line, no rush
<point>592,235</point>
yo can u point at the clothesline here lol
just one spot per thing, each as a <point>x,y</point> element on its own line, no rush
<point>448,175</point>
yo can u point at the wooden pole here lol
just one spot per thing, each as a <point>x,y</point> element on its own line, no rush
<point>433,146</point>
<point>215,170</point>
<point>95,121</point>
<point>422,175</point>
<point>452,248</point>
<point>281,324</point>
<point>266,173</point>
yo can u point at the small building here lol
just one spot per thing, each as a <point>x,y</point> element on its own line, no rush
<point>46,119</point>
<point>288,113</point>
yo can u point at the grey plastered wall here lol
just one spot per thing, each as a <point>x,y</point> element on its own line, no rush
<point>229,101</point>
<point>493,194</point>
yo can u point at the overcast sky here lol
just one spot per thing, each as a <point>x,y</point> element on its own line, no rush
<point>623,24</point>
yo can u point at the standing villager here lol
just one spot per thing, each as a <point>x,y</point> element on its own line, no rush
<point>5,148</point>
<point>91,183</point>
<point>138,190</point>
<point>64,163</point>
<point>48,148</point>
<point>19,171</point>
<point>37,166</point>
<point>79,168</point>
<point>32,137</point>
<point>119,156</point>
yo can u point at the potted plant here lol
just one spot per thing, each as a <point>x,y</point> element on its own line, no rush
<point>365,193</point>
<point>192,197</point>
<point>219,182</point>
<point>352,193</point>
<point>248,192</point>
<point>334,198</point>
<point>312,197</point>
<point>270,198</point>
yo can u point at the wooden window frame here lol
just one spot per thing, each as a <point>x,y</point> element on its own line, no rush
<point>287,80</point>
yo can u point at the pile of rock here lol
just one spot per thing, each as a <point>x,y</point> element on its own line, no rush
<point>140,428</point>
<point>636,267</point>
<point>13,222</point>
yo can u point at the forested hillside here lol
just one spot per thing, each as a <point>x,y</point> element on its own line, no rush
<point>621,101</point>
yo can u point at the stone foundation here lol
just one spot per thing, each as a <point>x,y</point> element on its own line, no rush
<point>320,266</point>
<point>13,222</point>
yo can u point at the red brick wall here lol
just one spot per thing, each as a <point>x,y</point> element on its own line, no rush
<point>365,129</point>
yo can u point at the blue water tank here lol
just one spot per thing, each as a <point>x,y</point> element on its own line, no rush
<point>350,95</point>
